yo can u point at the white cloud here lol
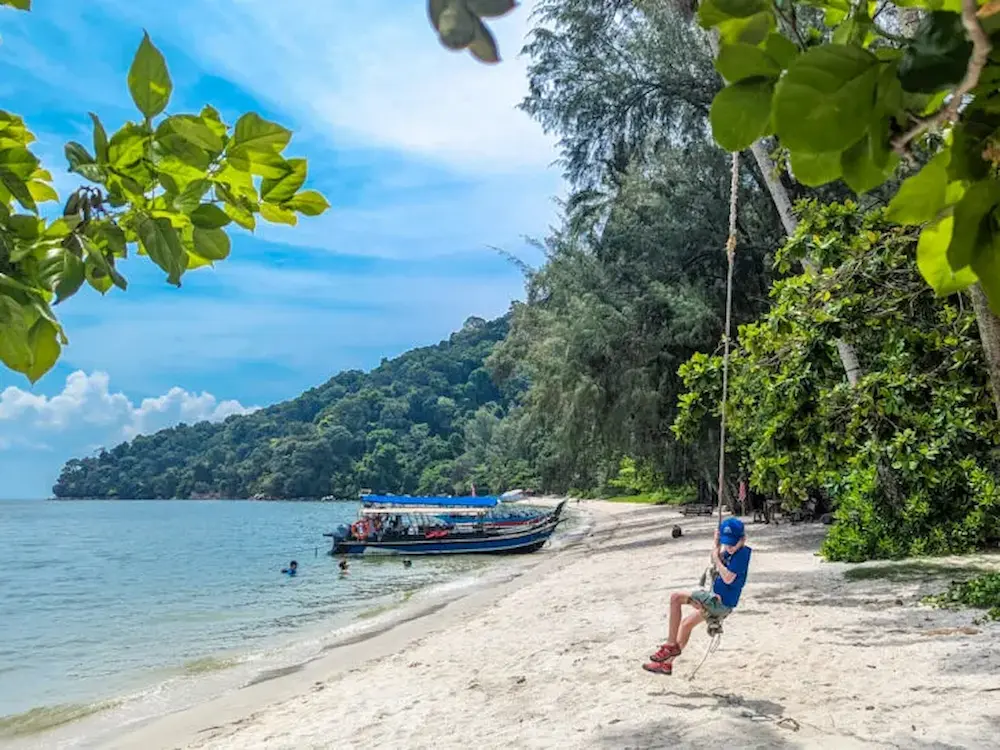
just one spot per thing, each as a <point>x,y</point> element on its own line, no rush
<point>86,402</point>
<point>370,72</point>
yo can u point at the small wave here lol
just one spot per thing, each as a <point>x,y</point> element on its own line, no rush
<point>43,718</point>
<point>210,664</point>
<point>368,614</point>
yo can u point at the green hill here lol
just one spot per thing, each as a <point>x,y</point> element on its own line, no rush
<point>399,428</point>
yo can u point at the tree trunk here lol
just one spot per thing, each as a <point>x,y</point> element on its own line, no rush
<point>779,195</point>
<point>989,335</point>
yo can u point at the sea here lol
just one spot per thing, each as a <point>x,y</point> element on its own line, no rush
<point>138,607</point>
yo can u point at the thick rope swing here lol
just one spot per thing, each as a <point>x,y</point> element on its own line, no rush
<point>714,625</point>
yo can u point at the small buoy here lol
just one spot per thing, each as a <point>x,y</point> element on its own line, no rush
<point>676,532</point>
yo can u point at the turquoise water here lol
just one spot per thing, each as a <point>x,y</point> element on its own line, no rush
<point>99,599</point>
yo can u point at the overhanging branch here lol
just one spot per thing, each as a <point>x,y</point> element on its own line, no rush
<point>948,113</point>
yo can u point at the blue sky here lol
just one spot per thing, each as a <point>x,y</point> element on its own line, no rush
<point>421,152</point>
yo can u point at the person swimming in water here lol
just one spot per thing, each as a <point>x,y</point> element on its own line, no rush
<point>343,567</point>
<point>292,569</point>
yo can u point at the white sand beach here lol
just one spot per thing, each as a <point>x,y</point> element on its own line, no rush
<point>552,659</point>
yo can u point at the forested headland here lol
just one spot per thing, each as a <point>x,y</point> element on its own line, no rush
<point>852,381</point>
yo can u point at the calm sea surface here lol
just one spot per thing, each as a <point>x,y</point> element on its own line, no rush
<point>99,599</point>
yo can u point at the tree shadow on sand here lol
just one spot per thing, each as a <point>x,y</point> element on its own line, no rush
<point>762,725</point>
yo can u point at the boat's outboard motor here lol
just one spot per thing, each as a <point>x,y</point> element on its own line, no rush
<point>340,535</point>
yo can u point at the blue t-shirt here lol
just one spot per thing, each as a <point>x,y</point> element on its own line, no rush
<point>738,563</point>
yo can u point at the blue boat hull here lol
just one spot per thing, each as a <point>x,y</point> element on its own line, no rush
<point>525,541</point>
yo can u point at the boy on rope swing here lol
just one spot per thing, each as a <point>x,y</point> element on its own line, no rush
<point>730,563</point>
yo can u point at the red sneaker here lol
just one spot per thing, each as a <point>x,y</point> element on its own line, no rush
<point>667,652</point>
<point>659,667</point>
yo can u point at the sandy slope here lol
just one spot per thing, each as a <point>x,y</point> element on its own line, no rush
<point>552,660</point>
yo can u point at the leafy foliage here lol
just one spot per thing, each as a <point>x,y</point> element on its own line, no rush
<point>611,78</point>
<point>612,315</point>
<point>459,25</point>
<point>981,592</point>
<point>165,186</point>
<point>427,421</point>
<point>923,407</point>
<point>848,99</point>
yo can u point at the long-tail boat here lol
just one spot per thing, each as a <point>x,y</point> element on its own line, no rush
<point>439,525</point>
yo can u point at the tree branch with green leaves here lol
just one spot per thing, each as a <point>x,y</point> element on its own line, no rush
<point>166,186</point>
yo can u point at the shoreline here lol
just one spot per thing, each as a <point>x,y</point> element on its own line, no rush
<point>108,721</point>
<point>549,657</point>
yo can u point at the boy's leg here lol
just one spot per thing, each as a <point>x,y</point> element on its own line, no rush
<point>677,601</point>
<point>689,623</point>
<point>670,649</point>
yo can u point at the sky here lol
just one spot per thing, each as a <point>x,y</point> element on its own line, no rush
<point>421,152</point>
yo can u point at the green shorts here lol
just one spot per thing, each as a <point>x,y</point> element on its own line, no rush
<point>711,604</point>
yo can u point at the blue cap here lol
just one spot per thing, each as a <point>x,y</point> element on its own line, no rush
<point>731,531</point>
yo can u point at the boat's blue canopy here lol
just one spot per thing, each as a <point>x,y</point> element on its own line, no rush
<point>488,501</point>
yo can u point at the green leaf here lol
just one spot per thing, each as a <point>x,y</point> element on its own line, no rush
<point>209,216</point>
<point>740,8</point>
<point>183,157</point>
<point>212,119</point>
<point>971,135</point>
<point>483,46</point>
<point>861,172</point>
<point>491,8</point>
<point>752,30</point>
<point>856,28</point>
<point>921,197</point>
<point>160,240</point>
<point>266,164</point>
<point>100,140</point>
<point>938,56</point>
<point>25,227</point>
<point>972,233</point>
<point>15,349</point>
<point>932,259</point>
<point>781,49</point>
<point>255,134</point>
<point>77,155</point>
<point>211,244</point>
<point>278,214</point>
<point>42,192</point>
<point>19,162</point>
<point>67,274</point>
<point>97,277</point>
<point>712,13</point>
<point>825,100</point>
<point>190,197</point>
<point>456,26</point>
<point>82,163</point>
<point>194,130</point>
<point>61,227</point>
<point>43,339</point>
<point>18,4</point>
<point>741,113</point>
<point>148,79</point>
<point>114,239</point>
<point>18,189</point>
<point>308,203</point>
<point>737,62</point>
<point>283,188</point>
<point>128,146</point>
<point>240,215</point>
<point>238,181</point>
